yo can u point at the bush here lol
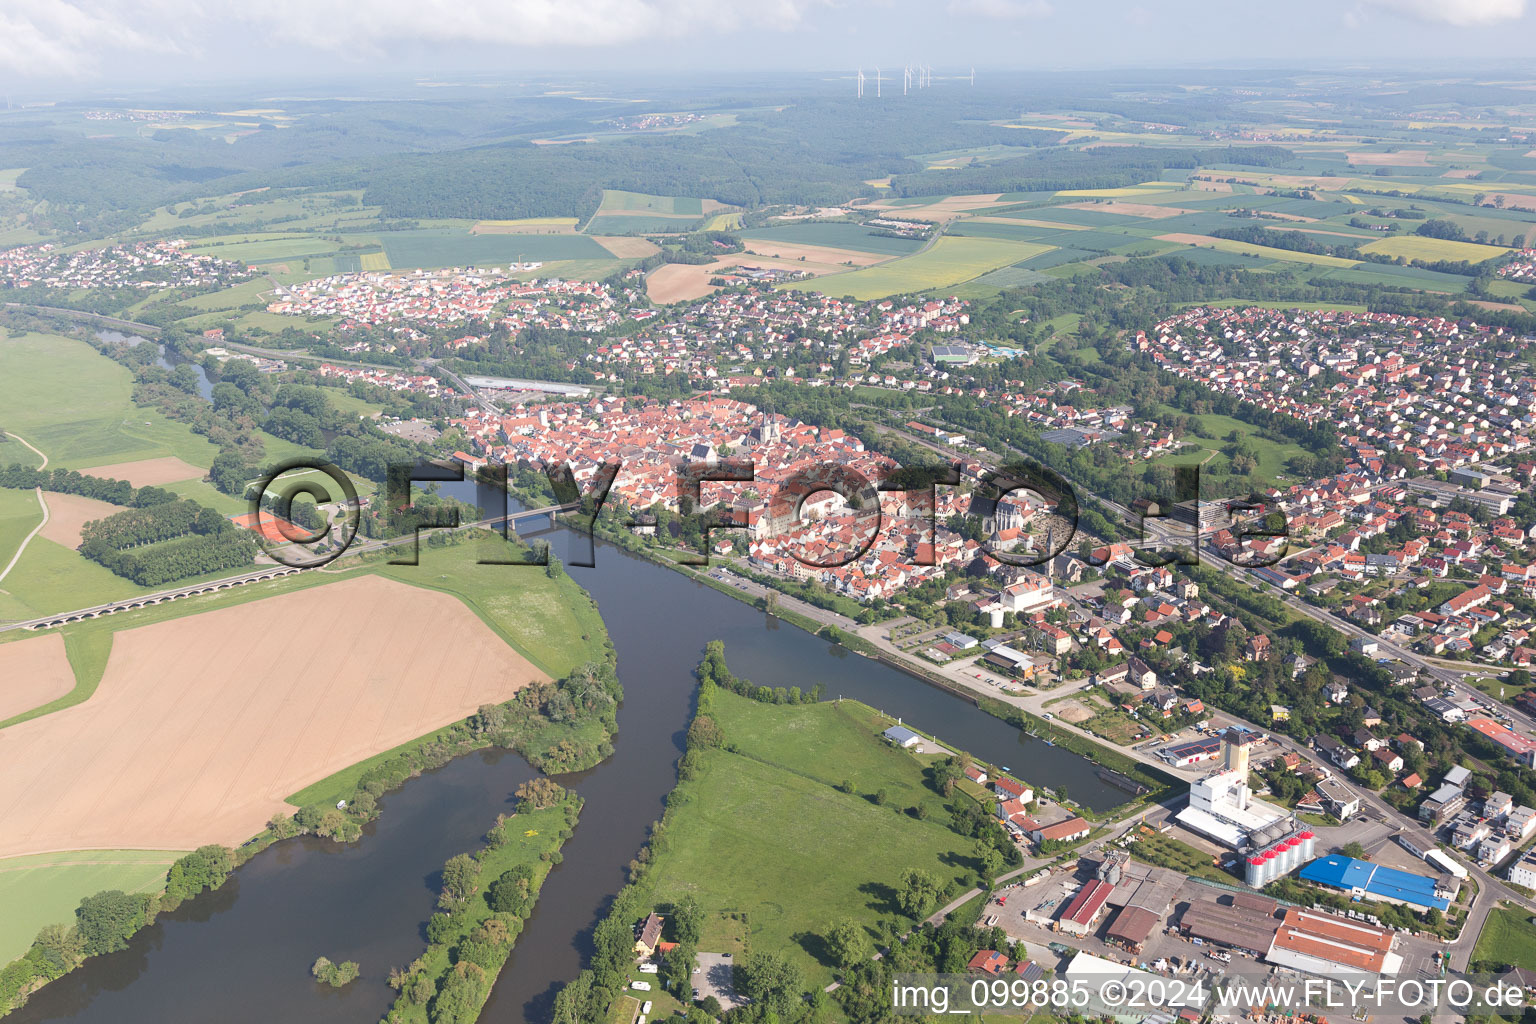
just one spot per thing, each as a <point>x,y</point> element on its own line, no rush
<point>333,974</point>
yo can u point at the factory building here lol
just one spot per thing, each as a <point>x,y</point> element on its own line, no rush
<point>1275,858</point>
<point>1364,880</point>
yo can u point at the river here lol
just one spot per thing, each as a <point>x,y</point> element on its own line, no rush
<point>242,954</point>
<point>168,358</point>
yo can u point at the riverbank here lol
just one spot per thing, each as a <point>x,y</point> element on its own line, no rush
<point>858,841</point>
<point>486,897</point>
<point>1143,785</point>
<point>564,725</point>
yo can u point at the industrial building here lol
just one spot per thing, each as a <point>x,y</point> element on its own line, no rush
<point>1081,915</point>
<point>1324,944</point>
<point>1246,921</point>
<point>1222,808</point>
<point>1364,880</point>
<point>1094,975</point>
<point>1272,859</point>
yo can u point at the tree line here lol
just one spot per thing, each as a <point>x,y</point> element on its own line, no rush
<point>105,921</point>
<point>166,542</point>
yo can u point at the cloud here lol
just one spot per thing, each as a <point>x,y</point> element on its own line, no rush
<point>1002,10</point>
<point>72,37</point>
<point>1459,13</point>
<point>55,37</point>
<point>343,24</point>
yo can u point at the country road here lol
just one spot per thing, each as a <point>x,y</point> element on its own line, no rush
<point>40,500</point>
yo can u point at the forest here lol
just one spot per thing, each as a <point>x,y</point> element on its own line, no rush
<point>165,542</point>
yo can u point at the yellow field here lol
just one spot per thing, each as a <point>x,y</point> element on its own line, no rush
<point>1248,249</point>
<point>723,222</point>
<point>1145,188</point>
<point>949,261</point>
<point>1416,247</point>
<point>1351,199</point>
<point>374,261</point>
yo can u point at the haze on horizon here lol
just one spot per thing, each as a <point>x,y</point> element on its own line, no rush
<point>65,46</point>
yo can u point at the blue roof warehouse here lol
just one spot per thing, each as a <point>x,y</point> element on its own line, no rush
<point>1365,880</point>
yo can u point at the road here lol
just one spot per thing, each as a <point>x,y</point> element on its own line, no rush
<point>1161,532</point>
<point>257,575</point>
<point>96,319</point>
<point>22,548</point>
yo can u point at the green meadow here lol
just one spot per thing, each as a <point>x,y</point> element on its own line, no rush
<point>762,831</point>
<point>45,888</point>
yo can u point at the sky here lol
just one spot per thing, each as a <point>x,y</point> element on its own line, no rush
<point>95,44</point>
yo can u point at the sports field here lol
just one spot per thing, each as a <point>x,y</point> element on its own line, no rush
<point>203,724</point>
<point>948,261</point>
<point>1417,247</point>
<point>45,889</point>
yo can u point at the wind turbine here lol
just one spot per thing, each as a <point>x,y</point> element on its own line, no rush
<point>878,80</point>
<point>973,77</point>
<point>861,83</point>
<point>906,79</point>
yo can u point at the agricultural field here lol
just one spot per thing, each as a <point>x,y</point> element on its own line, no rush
<point>1262,251</point>
<point>45,888</point>
<point>949,261</point>
<point>813,855</point>
<point>626,213</point>
<point>526,226</point>
<point>1178,218</point>
<point>641,224</point>
<point>228,751</point>
<point>835,235</point>
<point>33,672</point>
<point>268,247</point>
<point>1417,247</point>
<point>456,247</point>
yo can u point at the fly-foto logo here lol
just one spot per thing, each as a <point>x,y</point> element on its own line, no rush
<point>1253,528</point>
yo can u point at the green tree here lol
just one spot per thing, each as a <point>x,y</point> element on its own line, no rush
<point>848,944</point>
<point>687,920</point>
<point>770,979</point>
<point>107,919</point>
<point>461,879</point>
<point>917,893</point>
<point>512,893</point>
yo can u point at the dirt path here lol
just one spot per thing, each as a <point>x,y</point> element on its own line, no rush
<point>36,529</point>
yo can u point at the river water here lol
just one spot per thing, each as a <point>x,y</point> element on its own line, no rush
<point>242,954</point>
<point>168,358</point>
